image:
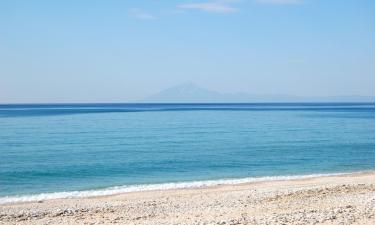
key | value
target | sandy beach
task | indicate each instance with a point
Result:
(340, 199)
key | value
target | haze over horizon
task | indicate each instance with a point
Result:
(126, 51)
(191, 93)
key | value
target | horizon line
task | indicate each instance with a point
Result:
(191, 103)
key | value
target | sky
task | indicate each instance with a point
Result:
(125, 50)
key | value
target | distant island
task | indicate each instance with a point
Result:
(192, 93)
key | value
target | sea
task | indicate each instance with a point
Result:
(52, 151)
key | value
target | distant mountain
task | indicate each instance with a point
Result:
(191, 93)
(187, 92)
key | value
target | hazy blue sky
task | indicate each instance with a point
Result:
(117, 51)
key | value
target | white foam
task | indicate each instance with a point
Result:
(151, 187)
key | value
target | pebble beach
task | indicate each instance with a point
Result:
(338, 199)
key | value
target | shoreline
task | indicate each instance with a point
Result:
(118, 190)
(335, 199)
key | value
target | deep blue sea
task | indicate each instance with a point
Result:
(54, 148)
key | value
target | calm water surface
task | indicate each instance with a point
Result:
(54, 148)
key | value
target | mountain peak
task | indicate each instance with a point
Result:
(186, 88)
(185, 92)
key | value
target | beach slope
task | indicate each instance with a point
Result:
(339, 199)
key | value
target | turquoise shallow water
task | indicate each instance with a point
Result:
(73, 147)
